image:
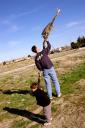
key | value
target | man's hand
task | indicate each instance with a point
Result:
(44, 43)
(39, 74)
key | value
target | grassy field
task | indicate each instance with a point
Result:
(18, 107)
(15, 102)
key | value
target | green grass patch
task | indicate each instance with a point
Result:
(20, 124)
(37, 126)
(53, 108)
(67, 80)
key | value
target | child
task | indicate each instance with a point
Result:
(42, 100)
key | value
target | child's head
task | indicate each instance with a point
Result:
(34, 86)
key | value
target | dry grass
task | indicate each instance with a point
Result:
(68, 111)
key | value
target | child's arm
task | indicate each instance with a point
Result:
(39, 76)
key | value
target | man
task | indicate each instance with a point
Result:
(44, 64)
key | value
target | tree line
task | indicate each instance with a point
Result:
(79, 43)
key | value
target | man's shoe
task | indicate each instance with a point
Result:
(51, 98)
(59, 95)
(47, 123)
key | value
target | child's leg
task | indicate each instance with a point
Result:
(47, 112)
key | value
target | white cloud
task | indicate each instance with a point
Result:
(36, 28)
(13, 43)
(72, 24)
(24, 13)
(9, 26)
(14, 28)
(5, 22)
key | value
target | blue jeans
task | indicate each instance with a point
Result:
(50, 73)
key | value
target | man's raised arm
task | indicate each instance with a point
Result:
(46, 48)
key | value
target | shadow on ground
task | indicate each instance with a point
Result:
(27, 114)
(53, 94)
(9, 92)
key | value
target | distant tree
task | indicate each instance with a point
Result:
(13, 60)
(81, 41)
(52, 51)
(4, 63)
(29, 55)
(74, 45)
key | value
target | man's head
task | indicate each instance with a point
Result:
(35, 49)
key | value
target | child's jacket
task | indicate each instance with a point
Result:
(42, 98)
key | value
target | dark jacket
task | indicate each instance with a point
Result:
(42, 59)
(41, 97)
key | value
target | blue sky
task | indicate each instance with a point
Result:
(22, 22)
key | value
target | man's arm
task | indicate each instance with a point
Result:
(38, 65)
(46, 49)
